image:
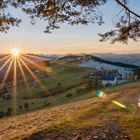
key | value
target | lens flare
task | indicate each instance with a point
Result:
(100, 93)
(118, 104)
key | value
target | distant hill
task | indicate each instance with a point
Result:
(123, 58)
(120, 64)
(70, 57)
(47, 57)
(99, 59)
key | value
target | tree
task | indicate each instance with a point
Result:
(59, 85)
(26, 106)
(73, 12)
(9, 112)
(46, 63)
(137, 72)
(20, 107)
(1, 114)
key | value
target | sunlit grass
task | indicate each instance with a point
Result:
(11, 63)
(74, 116)
(33, 63)
(7, 72)
(33, 75)
(24, 77)
(15, 86)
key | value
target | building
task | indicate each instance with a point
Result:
(108, 80)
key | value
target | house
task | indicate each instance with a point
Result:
(108, 80)
(99, 74)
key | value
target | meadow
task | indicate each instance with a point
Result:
(65, 83)
(62, 80)
(82, 118)
(69, 105)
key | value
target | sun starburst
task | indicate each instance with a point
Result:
(15, 63)
(15, 52)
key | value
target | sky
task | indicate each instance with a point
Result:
(67, 39)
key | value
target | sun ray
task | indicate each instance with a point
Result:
(24, 77)
(15, 85)
(43, 69)
(33, 75)
(5, 63)
(5, 57)
(7, 73)
(47, 69)
(32, 56)
(33, 63)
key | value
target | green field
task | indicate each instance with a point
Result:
(65, 84)
(63, 79)
(69, 104)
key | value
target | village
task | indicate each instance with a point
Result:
(111, 77)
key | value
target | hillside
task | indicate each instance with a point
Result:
(94, 118)
(57, 85)
(101, 59)
(123, 58)
(120, 64)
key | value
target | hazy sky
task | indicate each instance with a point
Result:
(67, 39)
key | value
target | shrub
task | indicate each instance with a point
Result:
(59, 84)
(46, 103)
(9, 112)
(26, 106)
(69, 95)
(20, 107)
(1, 114)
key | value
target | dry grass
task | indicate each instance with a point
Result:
(76, 115)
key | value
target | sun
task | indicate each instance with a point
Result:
(15, 52)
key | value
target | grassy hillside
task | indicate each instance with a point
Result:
(94, 117)
(61, 81)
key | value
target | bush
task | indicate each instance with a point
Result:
(59, 84)
(43, 94)
(26, 106)
(1, 114)
(69, 95)
(46, 103)
(9, 112)
(20, 107)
